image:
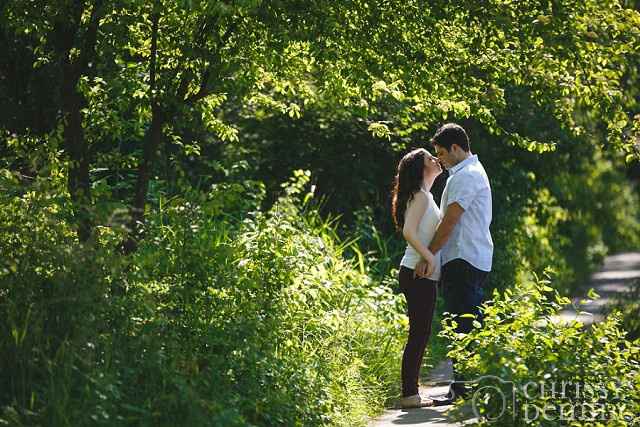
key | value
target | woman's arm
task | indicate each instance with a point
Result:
(415, 211)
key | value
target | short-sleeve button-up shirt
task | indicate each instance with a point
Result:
(468, 185)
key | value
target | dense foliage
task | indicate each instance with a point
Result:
(628, 304)
(127, 80)
(526, 369)
(564, 209)
(224, 320)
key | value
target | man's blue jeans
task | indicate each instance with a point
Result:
(461, 286)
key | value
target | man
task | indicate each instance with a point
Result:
(463, 235)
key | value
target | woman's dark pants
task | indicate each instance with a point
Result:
(421, 300)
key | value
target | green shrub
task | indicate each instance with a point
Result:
(228, 315)
(628, 305)
(520, 349)
(52, 301)
(307, 338)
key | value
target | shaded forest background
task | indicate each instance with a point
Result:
(194, 203)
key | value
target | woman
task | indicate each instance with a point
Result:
(416, 214)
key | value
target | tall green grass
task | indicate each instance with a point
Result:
(226, 315)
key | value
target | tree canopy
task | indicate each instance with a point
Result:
(132, 93)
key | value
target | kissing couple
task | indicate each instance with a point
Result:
(448, 247)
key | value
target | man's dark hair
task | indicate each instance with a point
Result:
(449, 134)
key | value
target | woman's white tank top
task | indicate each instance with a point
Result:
(426, 230)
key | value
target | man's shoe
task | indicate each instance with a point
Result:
(445, 400)
(415, 401)
(456, 391)
(459, 390)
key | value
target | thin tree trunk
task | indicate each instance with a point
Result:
(78, 183)
(160, 116)
(69, 36)
(153, 139)
(152, 143)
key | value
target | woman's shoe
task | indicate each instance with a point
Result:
(414, 401)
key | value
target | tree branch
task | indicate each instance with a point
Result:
(90, 38)
(204, 89)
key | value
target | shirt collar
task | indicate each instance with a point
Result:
(463, 164)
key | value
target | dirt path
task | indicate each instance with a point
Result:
(612, 281)
(436, 385)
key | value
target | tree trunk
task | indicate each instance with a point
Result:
(72, 102)
(152, 143)
(78, 183)
(153, 139)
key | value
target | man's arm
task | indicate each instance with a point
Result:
(415, 212)
(451, 218)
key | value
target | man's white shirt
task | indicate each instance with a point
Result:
(468, 185)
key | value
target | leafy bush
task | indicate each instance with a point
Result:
(52, 301)
(256, 319)
(628, 305)
(564, 209)
(522, 352)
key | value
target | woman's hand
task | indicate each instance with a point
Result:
(421, 268)
(425, 267)
(415, 212)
